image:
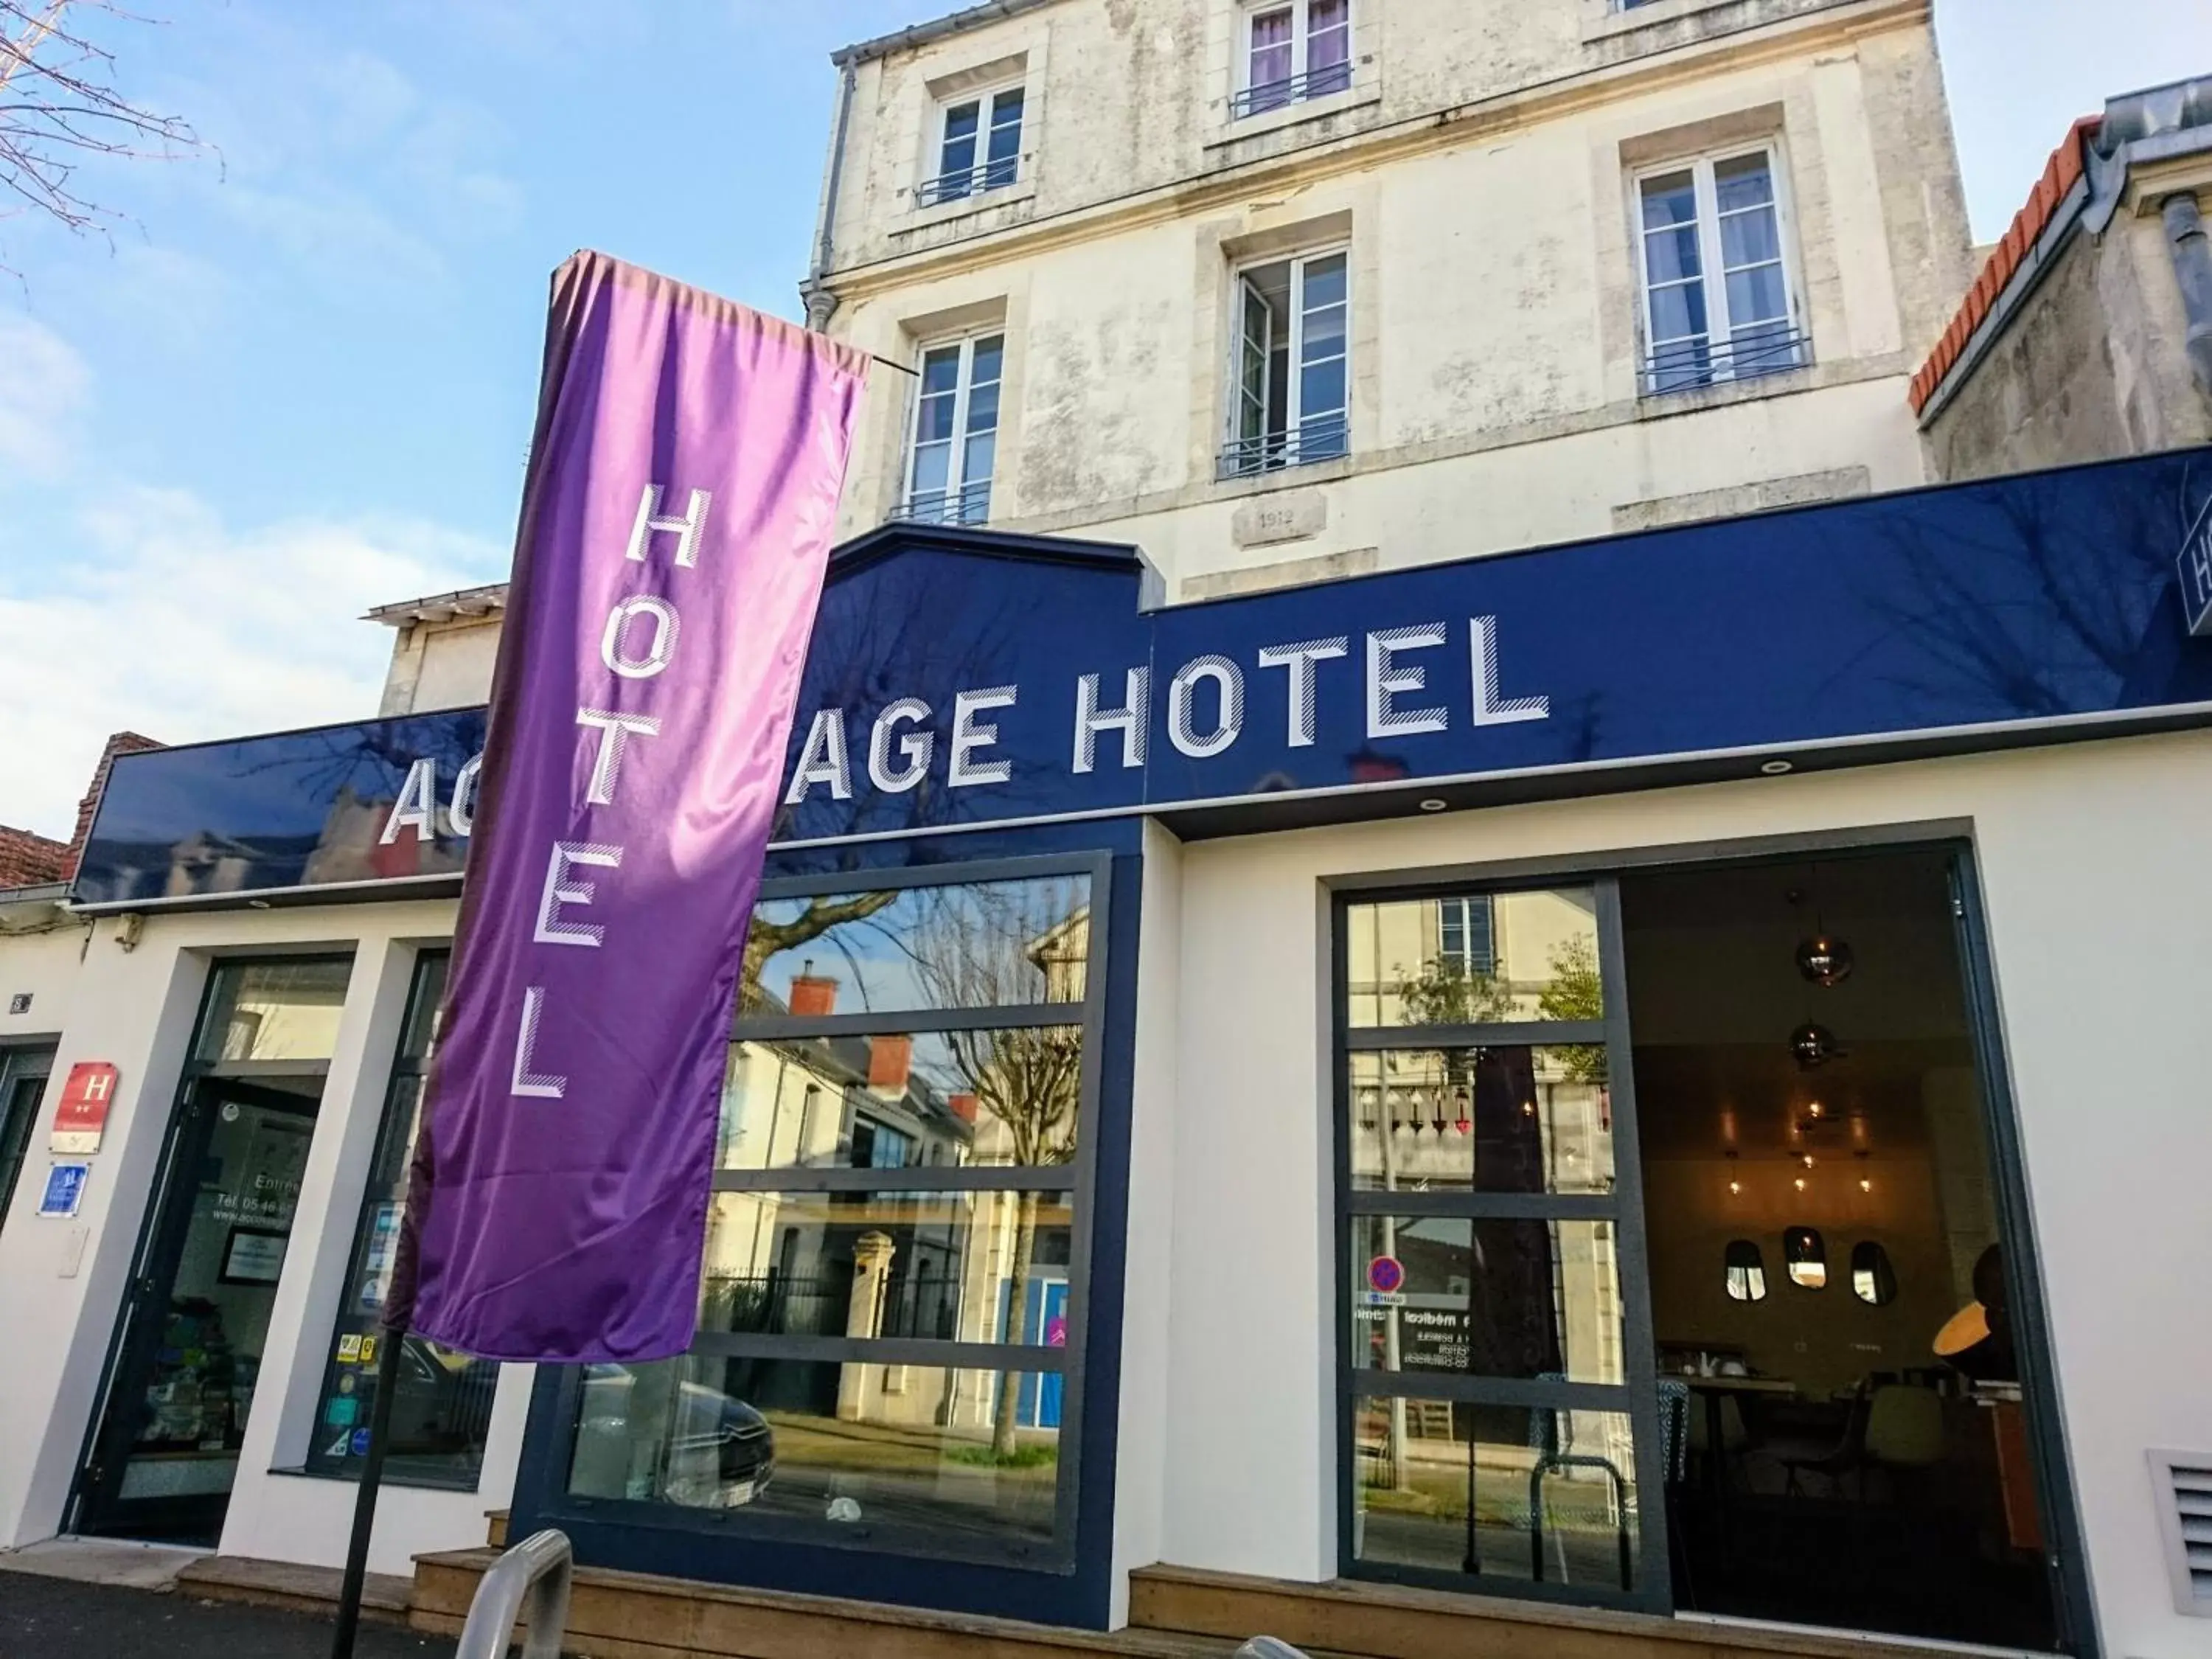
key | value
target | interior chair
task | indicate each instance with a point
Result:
(1904, 1429)
(1847, 1456)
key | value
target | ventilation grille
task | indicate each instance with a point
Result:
(2184, 1483)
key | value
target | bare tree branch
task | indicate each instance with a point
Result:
(60, 108)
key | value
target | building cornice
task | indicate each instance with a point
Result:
(1841, 26)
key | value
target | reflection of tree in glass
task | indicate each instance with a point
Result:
(767, 938)
(1576, 993)
(985, 948)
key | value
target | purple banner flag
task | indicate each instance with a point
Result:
(676, 521)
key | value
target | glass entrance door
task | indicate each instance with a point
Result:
(1498, 1428)
(197, 1319)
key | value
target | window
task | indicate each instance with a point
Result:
(23, 1073)
(1463, 932)
(1294, 51)
(1873, 1281)
(1717, 302)
(1491, 1427)
(891, 1323)
(980, 149)
(1293, 366)
(441, 1415)
(1746, 1272)
(955, 432)
(1805, 1253)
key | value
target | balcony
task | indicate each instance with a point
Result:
(1323, 438)
(974, 181)
(971, 504)
(1748, 355)
(1298, 89)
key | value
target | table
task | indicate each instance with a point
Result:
(1715, 1390)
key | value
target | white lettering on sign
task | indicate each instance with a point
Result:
(969, 734)
(917, 747)
(1300, 661)
(1131, 720)
(1401, 699)
(635, 653)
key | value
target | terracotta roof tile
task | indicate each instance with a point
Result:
(2005, 260)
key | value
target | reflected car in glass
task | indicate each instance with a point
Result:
(720, 1453)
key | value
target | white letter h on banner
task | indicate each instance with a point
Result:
(686, 530)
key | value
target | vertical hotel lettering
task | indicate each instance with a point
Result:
(638, 644)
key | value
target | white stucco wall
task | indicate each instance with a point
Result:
(2091, 861)
(59, 1293)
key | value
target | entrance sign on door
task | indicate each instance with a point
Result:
(81, 1119)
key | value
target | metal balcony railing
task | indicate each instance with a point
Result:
(1296, 89)
(1324, 438)
(970, 505)
(958, 187)
(1750, 353)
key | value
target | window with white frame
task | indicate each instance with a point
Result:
(954, 445)
(1466, 935)
(1293, 366)
(1293, 50)
(1718, 301)
(979, 147)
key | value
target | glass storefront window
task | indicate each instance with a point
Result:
(891, 1307)
(1491, 1296)
(985, 945)
(1492, 1119)
(279, 1010)
(1473, 959)
(443, 1409)
(1500, 1491)
(903, 1100)
(935, 1267)
(863, 1446)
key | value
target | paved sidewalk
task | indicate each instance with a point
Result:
(44, 1618)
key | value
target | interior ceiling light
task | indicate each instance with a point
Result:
(1815, 1046)
(1825, 960)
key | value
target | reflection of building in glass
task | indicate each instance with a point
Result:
(1470, 960)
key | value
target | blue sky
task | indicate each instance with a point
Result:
(299, 380)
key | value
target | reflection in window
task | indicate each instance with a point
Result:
(1486, 1297)
(822, 1386)
(1496, 1120)
(1746, 1272)
(932, 1100)
(443, 1412)
(282, 1010)
(1873, 1281)
(859, 1443)
(1805, 1254)
(1480, 960)
(903, 1266)
(1001, 943)
(1415, 1461)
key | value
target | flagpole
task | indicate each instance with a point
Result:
(364, 1497)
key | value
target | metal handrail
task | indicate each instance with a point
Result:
(977, 180)
(1321, 82)
(538, 1569)
(1759, 350)
(1322, 438)
(970, 505)
(1267, 1647)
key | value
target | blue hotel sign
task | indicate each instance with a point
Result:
(2193, 569)
(960, 680)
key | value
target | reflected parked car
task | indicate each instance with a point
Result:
(703, 1450)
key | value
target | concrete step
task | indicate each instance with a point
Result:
(287, 1585)
(1391, 1621)
(627, 1615)
(495, 1529)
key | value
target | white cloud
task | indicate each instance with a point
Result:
(180, 626)
(43, 395)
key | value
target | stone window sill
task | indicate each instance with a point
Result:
(967, 207)
(1357, 95)
(1657, 405)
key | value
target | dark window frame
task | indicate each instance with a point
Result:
(1637, 1396)
(410, 1068)
(1077, 1179)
